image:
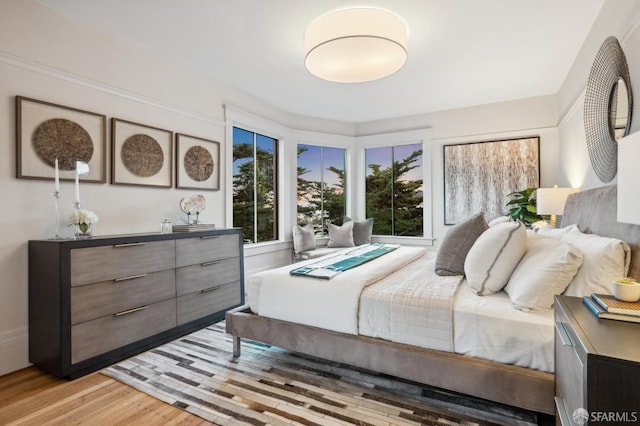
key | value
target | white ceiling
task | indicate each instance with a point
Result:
(461, 52)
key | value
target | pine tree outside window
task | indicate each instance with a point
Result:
(255, 197)
(394, 190)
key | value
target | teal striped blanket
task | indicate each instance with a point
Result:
(328, 267)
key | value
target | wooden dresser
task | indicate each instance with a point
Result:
(93, 302)
(597, 364)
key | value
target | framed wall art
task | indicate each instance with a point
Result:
(46, 131)
(197, 163)
(140, 154)
(478, 176)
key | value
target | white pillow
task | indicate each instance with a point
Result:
(341, 236)
(304, 238)
(494, 256)
(605, 259)
(545, 270)
(499, 219)
(549, 231)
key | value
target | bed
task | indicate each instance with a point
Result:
(473, 365)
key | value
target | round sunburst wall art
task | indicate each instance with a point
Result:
(62, 139)
(608, 83)
(142, 155)
(198, 163)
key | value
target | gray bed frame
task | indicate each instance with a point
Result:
(593, 210)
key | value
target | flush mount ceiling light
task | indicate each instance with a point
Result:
(355, 45)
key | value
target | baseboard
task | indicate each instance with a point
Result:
(14, 350)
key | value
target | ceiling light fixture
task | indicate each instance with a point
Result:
(355, 45)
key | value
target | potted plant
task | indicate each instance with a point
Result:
(522, 206)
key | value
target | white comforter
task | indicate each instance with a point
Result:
(330, 304)
(412, 306)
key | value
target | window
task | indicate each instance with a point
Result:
(394, 191)
(255, 197)
(321, 184)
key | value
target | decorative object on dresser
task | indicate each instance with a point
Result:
(46, 131)
(601, 312)
(551, 201)
(478, 176)
(626, 289)
(84, 222)
(597, 365)
(192, 207)
(141, 154)
(197, 163)
(96, 301)
(608, 106)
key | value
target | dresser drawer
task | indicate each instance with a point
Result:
(192, 251)
(569, 371)
(202, 303)
(96, 264)
(104, 334)
(206, 275)
(108, 297)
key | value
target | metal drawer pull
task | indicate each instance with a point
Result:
(132, 277)
(129, 245)
(130, 311)
(207, 290)
(208, 237)
(213, 262)
(564, 336)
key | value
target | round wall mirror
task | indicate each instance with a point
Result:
(608, 104)
(619, 116)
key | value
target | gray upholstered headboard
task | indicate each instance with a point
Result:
(595, 212)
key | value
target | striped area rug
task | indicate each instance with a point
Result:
(271, 386)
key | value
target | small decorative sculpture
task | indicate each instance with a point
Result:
(193, 206)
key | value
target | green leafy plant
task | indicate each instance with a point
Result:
(522, 206)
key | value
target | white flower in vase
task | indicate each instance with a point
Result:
(83, 219)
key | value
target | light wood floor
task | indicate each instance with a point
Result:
(33, 397)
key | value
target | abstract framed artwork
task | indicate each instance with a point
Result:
(140, 154)
(197, 163)
(478, 176)
(46, 131)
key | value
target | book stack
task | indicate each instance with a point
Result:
(608, 307)
(193, 227)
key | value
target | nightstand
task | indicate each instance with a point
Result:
(597, 366)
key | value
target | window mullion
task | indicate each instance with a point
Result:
(255, 188)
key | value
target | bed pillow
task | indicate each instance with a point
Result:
(549, 231)
(499, 219)
(605, 259)
(456, 244)
(545, 270)
(304, 238)
(361, 230)
(494, 256)
(341, 236)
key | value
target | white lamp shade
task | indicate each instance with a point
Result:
(552, 200)
(629, 179)
(355, 45)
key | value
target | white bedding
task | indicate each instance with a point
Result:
(485, 327)
(330, 304)
(489, 327)
(412, 305)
